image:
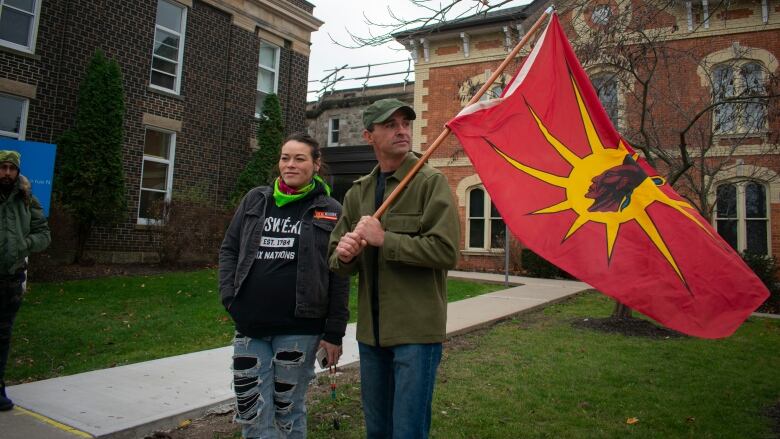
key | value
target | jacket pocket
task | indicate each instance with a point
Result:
(406, 223)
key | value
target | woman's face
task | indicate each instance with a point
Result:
(296, 165)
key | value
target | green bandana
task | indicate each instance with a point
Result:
(282, 199)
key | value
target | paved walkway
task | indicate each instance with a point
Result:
(135, 400)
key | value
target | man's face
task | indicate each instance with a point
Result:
(392, 138)
(8, 173)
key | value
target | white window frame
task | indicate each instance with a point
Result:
(740, 128)
(741, 214)
(180, 61)
(33, 29)
(487, 220)
(22, 123)
(169, 178)
(331, 131)
(275, 71)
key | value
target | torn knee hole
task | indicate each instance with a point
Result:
(285, 427)
(244, 363)
(244, 384)
(248, 406)
(283, 406)
(280, 387)
(289, 356)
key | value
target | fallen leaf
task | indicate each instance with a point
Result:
(690, 419)
(185, 423)
(632, 421)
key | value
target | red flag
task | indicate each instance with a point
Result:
(572, 190)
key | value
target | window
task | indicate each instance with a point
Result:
(485, 227)
(19, 23)
(333, 131)
(267, 74)
(601, 14)
(492, 93)
(741, 216)
(168, 46)
(607, 89)
(156, 174)
(13, 117)
(744, 82)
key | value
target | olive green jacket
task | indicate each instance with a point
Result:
(422, 232)
(23, 227)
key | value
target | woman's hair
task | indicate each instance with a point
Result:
(316, 152)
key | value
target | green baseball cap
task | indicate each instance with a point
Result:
(382, 109)
(10, 156)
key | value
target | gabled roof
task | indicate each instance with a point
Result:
(518, 13)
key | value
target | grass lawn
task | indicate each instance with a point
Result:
(539, 377)
(77, 326)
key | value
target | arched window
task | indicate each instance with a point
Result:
(741, 216)
(485, 229)
(607, 88)
(742, 82)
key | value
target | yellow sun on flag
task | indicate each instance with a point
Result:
(606, 187)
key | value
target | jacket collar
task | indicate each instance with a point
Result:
(399, 174)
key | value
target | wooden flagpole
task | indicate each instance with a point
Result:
(439, 140)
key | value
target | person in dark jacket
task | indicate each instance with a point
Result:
(275, 283)
(23, 230)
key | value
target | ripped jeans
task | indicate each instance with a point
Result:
(270, 378)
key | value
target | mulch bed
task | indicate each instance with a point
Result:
(631, 327)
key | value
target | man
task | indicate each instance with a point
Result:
(23, 229)
(402, 261)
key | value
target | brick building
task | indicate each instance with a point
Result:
(195, 75)
(731, 50)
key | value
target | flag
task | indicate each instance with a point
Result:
(573, 191)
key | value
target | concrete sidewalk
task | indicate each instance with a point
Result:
(135, 400)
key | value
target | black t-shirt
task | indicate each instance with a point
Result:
(266, 303)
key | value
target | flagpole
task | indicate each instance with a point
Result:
(485, 87)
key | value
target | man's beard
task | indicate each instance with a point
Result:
(7, 183)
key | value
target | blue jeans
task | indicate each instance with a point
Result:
(270, 378)
(396, 386)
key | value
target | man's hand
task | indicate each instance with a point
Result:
(370, 229)
(333, 351)
(350, 245)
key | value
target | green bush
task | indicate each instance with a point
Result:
(90, 180)
(536, 266)
(765, 268)
(261, 169)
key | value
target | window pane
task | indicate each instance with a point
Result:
(15, 26)
(477, 203)
(727, 201)
(150, 204)
(268, 56)
(755, 200)
(493, 211)
(727, 229)
(334, 124)
(25, 5)
(157, 143)
(163, 80)
(606, 87)
(10, 113)
(166, 45)
(265, 81)
(753, 76)
(756, 237)
(723, 87)
(169, 15)
(155, 175)
(164, 66)
(477, 233)
(259, 99)
(497, 233)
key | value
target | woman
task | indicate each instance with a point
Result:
(275, 283)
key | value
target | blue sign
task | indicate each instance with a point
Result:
(37, 164)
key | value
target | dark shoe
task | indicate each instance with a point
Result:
(5, 403)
